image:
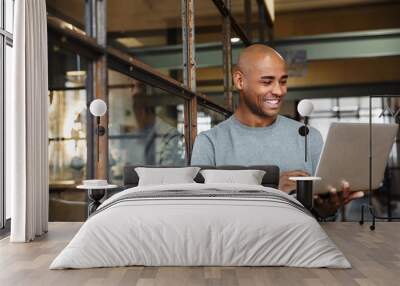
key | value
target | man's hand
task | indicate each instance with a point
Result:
(286, 185)
(345, 195)
(327, 205)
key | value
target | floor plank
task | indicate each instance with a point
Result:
(375, 257)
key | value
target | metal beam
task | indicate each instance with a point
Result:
(100, 76)
(159, 32)
(247, 18)
(72, 40)
(135, 69)
(261, 21)
(227, 57)
(377, 43)
(266, 23)
(132, 68)
(225, 12)
(125, 64)
(52, 11)
(90, 143)
(348, 90)
(188, 36)
(189, 74)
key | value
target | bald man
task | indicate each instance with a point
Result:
(256, 134)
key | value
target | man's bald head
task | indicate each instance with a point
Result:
(260, 76)
(252, 55)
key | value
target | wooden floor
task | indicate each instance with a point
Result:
(375, 256)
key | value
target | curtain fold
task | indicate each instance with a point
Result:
(26, 123)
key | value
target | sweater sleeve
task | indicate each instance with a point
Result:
(203, 151)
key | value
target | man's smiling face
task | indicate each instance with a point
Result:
(263, 84)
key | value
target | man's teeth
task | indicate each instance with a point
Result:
(273, 101)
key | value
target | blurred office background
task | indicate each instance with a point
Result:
(137, 55)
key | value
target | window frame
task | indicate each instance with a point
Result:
(6, 39)
(91, 41)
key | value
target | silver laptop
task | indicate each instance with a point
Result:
(345, 156)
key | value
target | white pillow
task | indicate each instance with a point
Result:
(248, 177)
(165, 176)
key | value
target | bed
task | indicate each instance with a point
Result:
(197, 224)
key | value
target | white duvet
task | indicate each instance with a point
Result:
(190, 231)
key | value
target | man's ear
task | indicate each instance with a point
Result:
(238, 79)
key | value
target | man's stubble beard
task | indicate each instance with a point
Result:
(255, 109)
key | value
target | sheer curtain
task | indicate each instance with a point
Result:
(26, 123)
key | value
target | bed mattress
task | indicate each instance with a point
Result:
(201, 225)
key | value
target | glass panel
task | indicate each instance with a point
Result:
(9, 63)
(9, 14)
(135, 26)
(209, 72)
(67, 134)
(72, 11)
(345, 110)
(323, 104)
(137, 23)
(348, 109)
(145, 126)
(258, 22)
(208, 22)
(238, 12)
(210, 80)
(322, 124)
(349, 102)
(207, 118)
(376, 103)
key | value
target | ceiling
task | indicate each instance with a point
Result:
(150, 14)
